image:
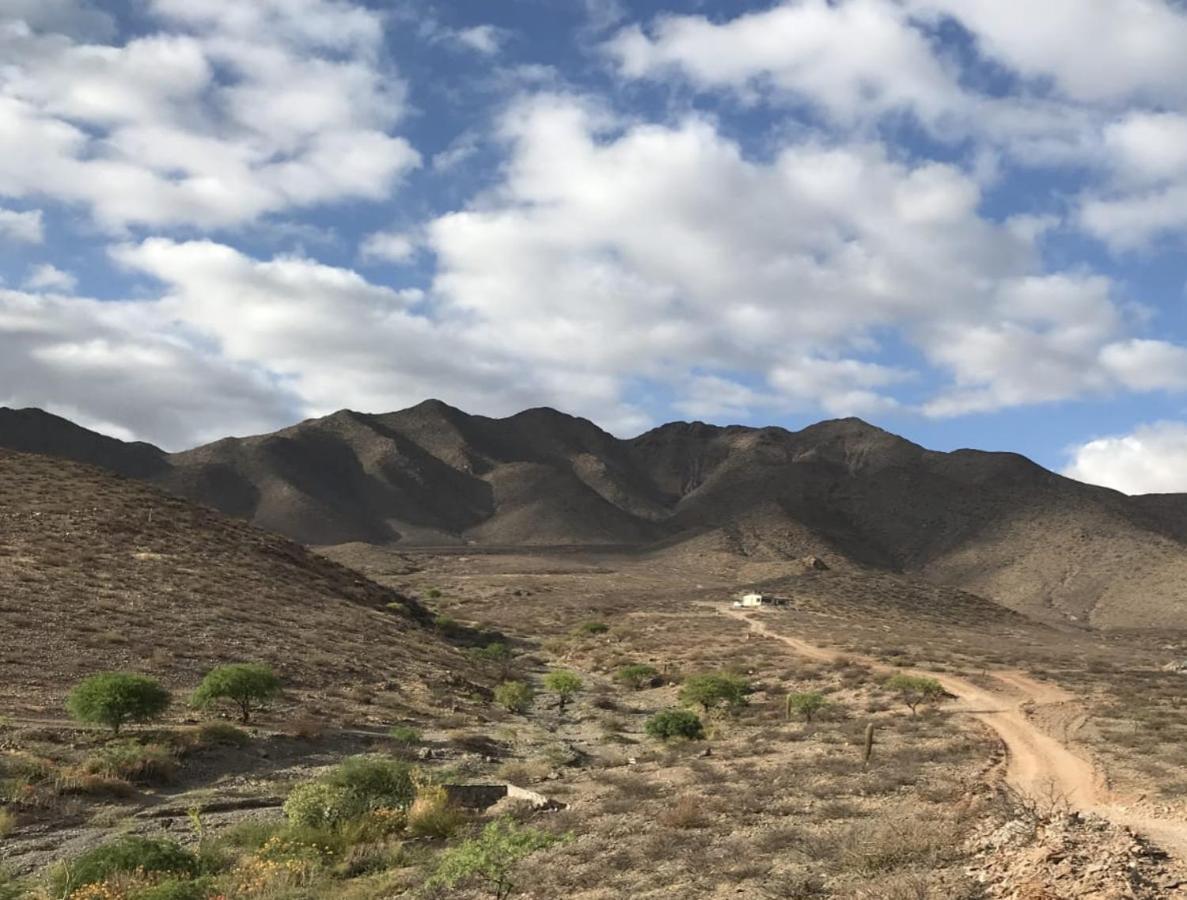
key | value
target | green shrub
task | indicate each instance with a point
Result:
(675, 723)
(404, 734)
(915, 690)
(246, 685)
(637, 676)
(515, 696)
(593, 627)
(564, 684)
(215, 734)
(316, 804)
(127, 854)
(805, 705)
(11, 887)
(497, 654)
(434, 594)
(116, 698)
(175, 889)
(432, 815)
(490, 858)
(377, 780)
(132, 761)
(712, 691)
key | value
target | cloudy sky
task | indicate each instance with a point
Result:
(964, 220)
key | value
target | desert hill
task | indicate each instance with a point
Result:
(993, 523)
(99, 572)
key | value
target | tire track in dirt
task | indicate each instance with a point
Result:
(1038, 765)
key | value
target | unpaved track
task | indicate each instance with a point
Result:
(1038, 765)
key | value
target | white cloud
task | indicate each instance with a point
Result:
(392, 246)
(232, 111)
(45, 277)
(1150, 460)
(485, 39)
(23, 226)
(852, 59)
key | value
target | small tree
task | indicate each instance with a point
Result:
(915, 690)
(248, 685)
(637, 676)
(675, 723)
(514, 696)
(805, 705)
(116, 698)
(490, 857)
(565, 685)
(712, 691)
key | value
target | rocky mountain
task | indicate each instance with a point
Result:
(992, 523)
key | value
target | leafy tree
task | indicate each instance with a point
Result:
(637, 675)
(565, 685)
(248, 685)
(675, 723)
(515, 696)
(712, 691)
(491, 857)
(915, 690)
(806, 705)
(116, 698)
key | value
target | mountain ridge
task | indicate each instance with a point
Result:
(842, 488)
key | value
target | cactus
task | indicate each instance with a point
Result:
(868, 749)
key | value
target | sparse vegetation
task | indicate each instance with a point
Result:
(249, 686)
(115, 699)
(131, 760)
(915, 690)
(717, 691)
(514, 696)
(593, 627)
(806, 704)
(675, 723)
(637, 676)
(566, 685)
(490, 858)
(405, 735)
(124, 856)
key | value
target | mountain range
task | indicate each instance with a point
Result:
(853, 494)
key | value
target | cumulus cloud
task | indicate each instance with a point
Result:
(392, 246)
(23, 226)
(1150, 460)
(46, 277)
(228, 112)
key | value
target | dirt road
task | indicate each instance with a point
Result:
(1039, 765)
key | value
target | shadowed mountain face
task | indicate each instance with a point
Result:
(992, 523)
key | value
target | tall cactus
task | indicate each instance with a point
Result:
(868, 749)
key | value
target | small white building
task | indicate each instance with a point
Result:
(751, 600)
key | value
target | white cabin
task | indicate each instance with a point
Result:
(752, 600)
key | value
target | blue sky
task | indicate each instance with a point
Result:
(962, 220)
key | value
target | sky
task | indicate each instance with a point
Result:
(962, 220)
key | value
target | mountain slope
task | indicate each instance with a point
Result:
(98, 572)
(994, 523)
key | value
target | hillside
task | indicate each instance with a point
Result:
(98, 572)
(993, 523)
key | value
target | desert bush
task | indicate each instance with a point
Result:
(806, 705)
(11, 888)
(316, 804)
(684, 813)
(515, 696)
(675, 723)
(246, 685)
(490, 858)
(637, 676)
(378, 781)
(132, 761)
(499, 655)
(7, 822)
(404, 734)
(116, 698)
(713, 691)
(124, 855)
(564, 684)
(215, 734)
(432, 815)
(915, 690)
(434, 594)
(592, 627)
(177, 889)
